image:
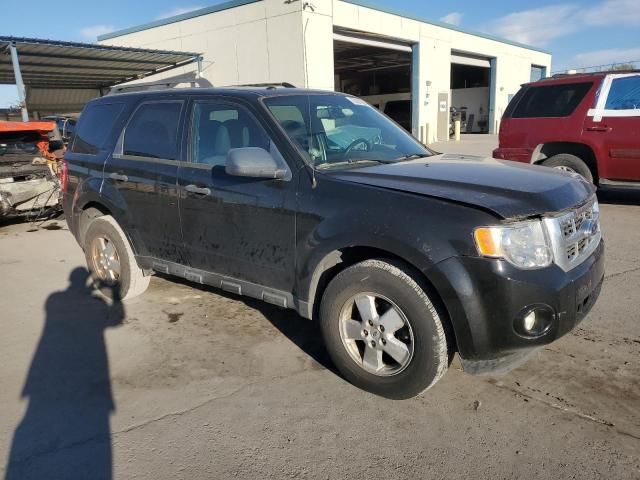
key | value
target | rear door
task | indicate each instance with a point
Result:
(92, 145)
(545, 113)
(614, 125)
(143, 172)
(238, 227)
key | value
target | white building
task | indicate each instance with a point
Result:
(351, 46)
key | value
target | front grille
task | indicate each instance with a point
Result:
(574, 234)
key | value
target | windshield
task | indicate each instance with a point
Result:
(335, 131)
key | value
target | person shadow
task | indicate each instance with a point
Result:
(65, 432)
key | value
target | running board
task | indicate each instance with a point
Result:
(604, 183)
(228, 284)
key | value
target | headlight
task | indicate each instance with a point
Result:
(524, 245)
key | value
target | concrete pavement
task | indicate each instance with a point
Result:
(190, 382)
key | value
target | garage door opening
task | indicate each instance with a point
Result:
(378, 71)
(471, 92)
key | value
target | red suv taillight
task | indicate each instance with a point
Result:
(64, 176)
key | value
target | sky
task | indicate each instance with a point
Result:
(579, 33)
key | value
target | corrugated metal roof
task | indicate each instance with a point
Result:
(53, 64)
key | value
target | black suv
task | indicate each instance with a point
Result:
(316, 201)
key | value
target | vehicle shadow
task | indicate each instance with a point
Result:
(619, 197)
(65, 432)
(303, 333)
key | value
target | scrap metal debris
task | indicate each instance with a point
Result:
(30, 166)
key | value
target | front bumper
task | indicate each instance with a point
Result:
(484, 296)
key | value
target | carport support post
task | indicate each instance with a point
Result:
(19, 83)
(199, 63)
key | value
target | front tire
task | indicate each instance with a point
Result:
(114, 270)
(382, 330)
(569, 163)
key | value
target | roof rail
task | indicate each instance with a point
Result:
(573, 73)
(269, 85)
(188, 80)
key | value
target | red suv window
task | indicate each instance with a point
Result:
(558, 100)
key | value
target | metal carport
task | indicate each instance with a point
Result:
(79, 70)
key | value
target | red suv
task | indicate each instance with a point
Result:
(586, 123)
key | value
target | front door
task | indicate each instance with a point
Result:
(239, 227)
(143, 170)
(614, 125)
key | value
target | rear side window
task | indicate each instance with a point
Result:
(624, 94)
(153, 131)
(551, 100)
(94, 127)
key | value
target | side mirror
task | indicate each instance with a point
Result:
(253, 162)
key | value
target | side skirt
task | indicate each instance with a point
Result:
(228, 284)
(615, 184)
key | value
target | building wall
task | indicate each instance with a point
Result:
(276, 41)
(253, 43)
(434, 44)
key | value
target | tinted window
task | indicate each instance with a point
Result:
(217, 128)
(624, 94)
(153, 131)
(551, 100)
(94, 127)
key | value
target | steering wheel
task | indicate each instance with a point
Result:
(355, 143)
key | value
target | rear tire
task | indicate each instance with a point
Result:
(569, 163)
(382, 331)
(110, 259)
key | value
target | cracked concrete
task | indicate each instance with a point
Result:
(207, 385)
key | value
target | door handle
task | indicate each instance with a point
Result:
(599, 128)
(119, 177)
(198, 190)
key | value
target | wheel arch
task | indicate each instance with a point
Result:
(89, 211)
(339, 259)
(95, 198)
(583, 151)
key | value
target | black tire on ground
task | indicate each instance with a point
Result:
(393, 281)
(571, 162)
(131, 281)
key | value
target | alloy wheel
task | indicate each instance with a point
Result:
(376, 334)
(106, 261)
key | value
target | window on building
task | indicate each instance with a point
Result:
(94, 127)
(551, 100)
(153, 131)
(538, 73)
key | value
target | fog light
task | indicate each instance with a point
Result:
(530, 321)
(534, 321)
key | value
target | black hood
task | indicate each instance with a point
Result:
(509, 189)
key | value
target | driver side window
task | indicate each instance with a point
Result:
(217, 128)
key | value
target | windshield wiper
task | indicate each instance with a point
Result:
(412, 156)
(327, 165)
